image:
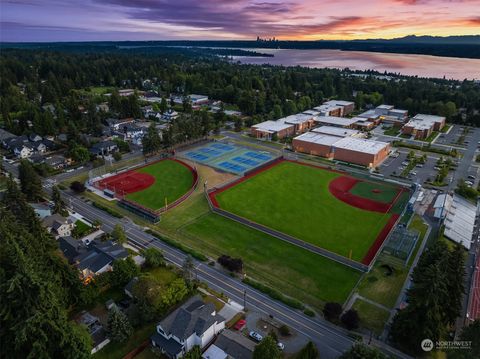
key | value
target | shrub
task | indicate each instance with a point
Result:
(232, 264)
(78, 187)
(332, 311)
(351, 319)
(309, 312)
(284, 330)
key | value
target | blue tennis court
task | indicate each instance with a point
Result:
(228, 157)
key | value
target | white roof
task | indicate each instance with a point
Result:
(428, 118)
(324, 110)
(311, 112)
(397, 110)
(335, 131)
(317, 138)
(296, 119)
(460, 221)
(369, 114)
(271, 126)
(214, 352)
(338, 103)
(360, 145)
(385, 107)
(335, 121)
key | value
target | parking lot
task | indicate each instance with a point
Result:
(419, 174)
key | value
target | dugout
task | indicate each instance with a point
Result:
(109, 193)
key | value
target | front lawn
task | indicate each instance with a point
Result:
(371, 316)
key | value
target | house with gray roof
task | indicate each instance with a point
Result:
(194, 323)
(98, 257)
(59, 225)
(231, 345)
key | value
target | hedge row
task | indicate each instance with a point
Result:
(274, 294)
(107, 209)
(179, 246)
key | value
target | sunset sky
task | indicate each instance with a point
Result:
(85, 20)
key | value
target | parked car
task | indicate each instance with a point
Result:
(472, 177)
(281, 346)
(255, 336)
(470, 183)
(405, 163)
(240, 324)
(419, 165)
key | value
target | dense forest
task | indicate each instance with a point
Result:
(453, 46)
(32, 79)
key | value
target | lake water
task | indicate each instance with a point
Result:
(405, 64)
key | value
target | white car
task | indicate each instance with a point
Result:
(470, 183)
(281, 346)
(255, 336)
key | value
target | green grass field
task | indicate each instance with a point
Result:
(295, 200)
(172, 180)
(386, 193)
(293, 270)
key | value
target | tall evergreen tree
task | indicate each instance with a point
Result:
(119, 328)
(58, 202)
(30, 181)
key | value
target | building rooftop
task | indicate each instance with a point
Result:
(311, 112)
(360, 145)
(271, 126)
(339, 103)
(428, 118)
(370, 114)
(335, 121)
(385, 107)
(460, 221)
(318, 138)
(336, 131)
(296, 119)
(195, 316)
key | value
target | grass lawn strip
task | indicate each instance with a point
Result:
(172, 180)
(295, 200)
(371, 316)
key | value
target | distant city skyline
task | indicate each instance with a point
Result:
(97, 20)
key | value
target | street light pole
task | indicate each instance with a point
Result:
(245, 299)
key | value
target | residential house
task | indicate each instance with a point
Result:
(116, 124)
(5, 135)
(59, 225)
(96, 330)
(97, 257)
(194, 323)
(41, 210)
(104, 148)
(170, 115)
(37, 159)
(231, 345)
(33, 137)
(56, 162)
(23, 150)
(38, 146)
(129, 287)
